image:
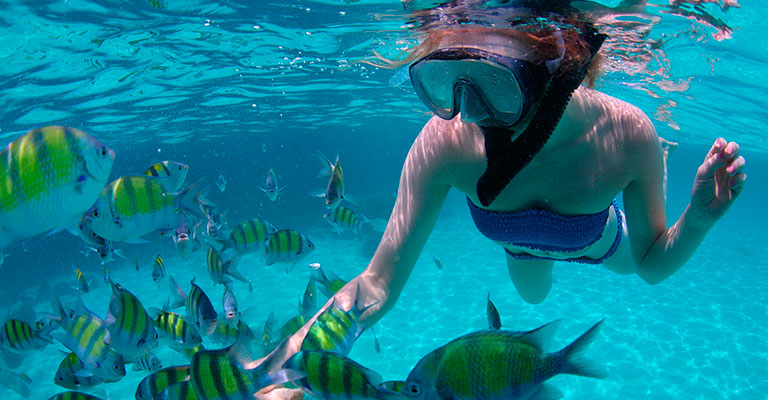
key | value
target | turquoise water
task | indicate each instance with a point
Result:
(235, 88)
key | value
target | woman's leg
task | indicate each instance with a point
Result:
(532, 278)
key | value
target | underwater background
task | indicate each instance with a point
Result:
(235, 88)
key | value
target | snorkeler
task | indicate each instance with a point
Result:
(541, 158)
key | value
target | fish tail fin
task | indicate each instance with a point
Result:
(573, 360)
(231, 270)
(192, 198)
(177, 293)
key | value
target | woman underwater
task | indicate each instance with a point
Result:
(541, 158)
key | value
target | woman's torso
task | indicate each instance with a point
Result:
(587, 162)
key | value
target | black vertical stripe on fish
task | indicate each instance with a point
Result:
(150, 190)
(218, 383)
(346, 379)
(323, 377)
(494, 320)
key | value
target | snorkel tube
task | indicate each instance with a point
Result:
(506, 158)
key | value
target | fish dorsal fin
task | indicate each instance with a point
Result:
(540, 337)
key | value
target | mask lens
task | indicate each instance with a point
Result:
(493, 87)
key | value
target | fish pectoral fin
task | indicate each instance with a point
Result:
(547, 392)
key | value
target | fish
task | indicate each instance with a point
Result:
(200, 308)
(231, 312)
(72, 395)
(335, 329)
(107, 275)
(19, 337)
(247, 237)
(497, 364)
(329, 282)
(228, 335)
(287, 246)
(135, 205)
(220, 375)
(309, 300)
(394, 387)
(155, 383)
(334, 191)
(331, 376)
(250, 286)
(178, 391)
(437, 262)
(183, 239)
(173, 328)
(146, 362)
(82, 284)
(172, 173)
(19, 383)
(268, 340)
(293, 325)
(72, 374)
(271, 188)
(189, 352)
(221, 183)
(158, 269)
(85, 334)
(131, 329)
(494, 319)
(376, 345)
(343, 219)
(94, 242)
(49, 177)
(220, 270)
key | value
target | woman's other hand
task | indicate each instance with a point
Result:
(719, 180)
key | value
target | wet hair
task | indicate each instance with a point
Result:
(543, 46)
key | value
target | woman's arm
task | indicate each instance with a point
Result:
(421, 193)
(659, 252)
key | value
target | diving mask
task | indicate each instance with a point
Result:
(479, 84)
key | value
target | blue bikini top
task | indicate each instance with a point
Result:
(539, 229)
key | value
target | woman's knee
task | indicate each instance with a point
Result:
(532, 279)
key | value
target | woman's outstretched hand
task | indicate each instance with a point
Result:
(719, 180)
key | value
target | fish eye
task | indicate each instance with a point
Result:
(95, 213)
(102, 151)
(116, 367)
(413, 389)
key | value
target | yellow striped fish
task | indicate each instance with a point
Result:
(329, 282)
(158, 269)
(220, 270)
(176, 330)
(84, 334)
(73, 396)
(200, 308)
(335, 329)
(344, 219)
(496, 364)
(156, 383)
(135, 205)
(249, 236)
(219, 374)
(330, 376)
(72, 374)
(19, 337)
(287, 246)
(172, 173)
(131, 329)
(178, 391)
(48, 178)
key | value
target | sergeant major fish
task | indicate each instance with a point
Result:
(135, 205)
(48, 178)
(496, 365)
(131, 329)
(157, 382)
(85, 334)
(198, 305)
(334, 191)
(220, 270)
(287, 246)
(271, 188)
(172, 173)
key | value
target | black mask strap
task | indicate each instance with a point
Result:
(507, 158)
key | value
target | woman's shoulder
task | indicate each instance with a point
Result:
(617, 116)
